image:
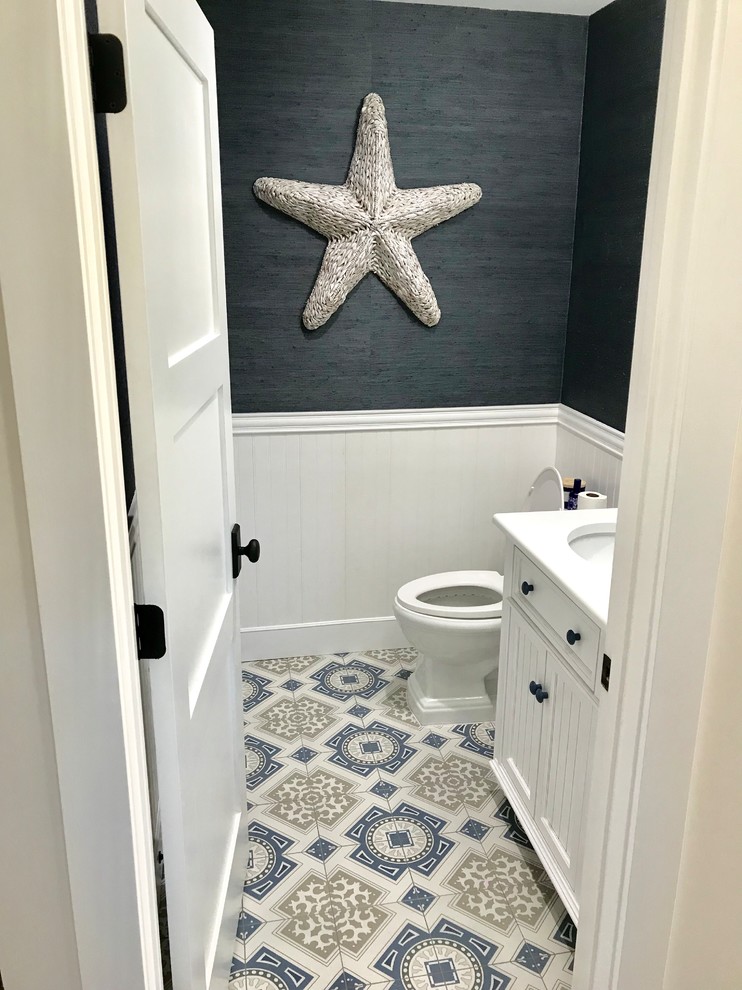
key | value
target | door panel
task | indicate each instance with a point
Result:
(517, 740)
(165, 177)
(566, 743)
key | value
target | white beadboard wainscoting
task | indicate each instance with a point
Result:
(348, 506)
(589, 450)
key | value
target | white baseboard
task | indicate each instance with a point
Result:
(341, 636)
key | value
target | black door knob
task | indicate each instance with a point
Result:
(573, 637)
(541, 695)
(534, 688)
(251, 551)
(526, 587)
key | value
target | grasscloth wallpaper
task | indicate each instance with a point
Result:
(623, 66)
(491, 97)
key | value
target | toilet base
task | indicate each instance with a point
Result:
(428, 710)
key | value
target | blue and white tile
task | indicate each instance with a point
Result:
(262, 763)
(446, 954)
(558, 975)
(364, 749)
(257, 690)
(272, 964)
(395, 841)
(368, 921)
(346, 677)
(390, 827)
(506, 832)
(476, 739)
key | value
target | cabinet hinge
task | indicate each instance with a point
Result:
(150, 626)
(107, 76)
(605, 673)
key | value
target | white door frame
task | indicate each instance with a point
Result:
(57, 321)
(677, 467)
(683, 419)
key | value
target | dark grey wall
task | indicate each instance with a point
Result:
(623, 62)
(471, 95)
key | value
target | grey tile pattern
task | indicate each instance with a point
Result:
(492, 97)
(379, 859)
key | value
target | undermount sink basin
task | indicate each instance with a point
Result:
(594, 542)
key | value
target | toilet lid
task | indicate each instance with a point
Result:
(455, 595)
(546, 492)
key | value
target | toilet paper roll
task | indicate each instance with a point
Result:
(592, 500)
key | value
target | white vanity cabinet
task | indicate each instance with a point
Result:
(546, 712)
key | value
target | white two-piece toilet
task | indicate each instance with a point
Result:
(453, 621)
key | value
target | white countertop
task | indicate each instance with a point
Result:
(543, 537)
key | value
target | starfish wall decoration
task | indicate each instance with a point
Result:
(369, 223)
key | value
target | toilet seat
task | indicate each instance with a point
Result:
(546, 492)
(455, 595)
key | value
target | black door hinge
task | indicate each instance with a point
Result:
(605, 673)
(107, 76)
(150, 625)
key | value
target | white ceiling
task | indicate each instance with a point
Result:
(582, 7)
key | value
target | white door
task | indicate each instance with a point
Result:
(519, 715)
(566, 744)
(166, 189)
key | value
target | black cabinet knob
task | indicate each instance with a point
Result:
(526, 587)
(573, 637)
(541, 695)
(534, 688)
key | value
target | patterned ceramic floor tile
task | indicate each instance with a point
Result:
(342, 678)
(405, 656)
(363, 749)
(393, 705)
(274, 964)
(382, 854)
(476, 740)
(452, 781)
(322, 798)
(256, 690)
(558, 975)
(294, 718)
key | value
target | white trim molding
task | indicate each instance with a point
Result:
(342, 636)
(587, 428)
(355, 421)
(370, 421)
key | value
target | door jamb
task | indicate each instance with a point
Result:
(684, 409)
(55, 294)
(644, 737)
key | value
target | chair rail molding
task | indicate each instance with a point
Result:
(599, 434)
(355, 421)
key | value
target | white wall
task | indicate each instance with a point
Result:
(349, 506)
